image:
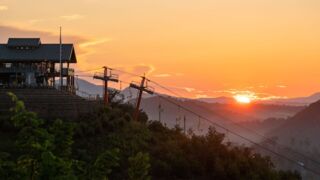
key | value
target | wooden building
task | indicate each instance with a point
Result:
(26, 62)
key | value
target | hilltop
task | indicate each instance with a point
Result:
(108, 144)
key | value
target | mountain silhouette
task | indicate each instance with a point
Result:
(299, 133)
(222, 99)
(299, 101)
(88, 87)
(302, 128)
(94, 89)
(227, 115)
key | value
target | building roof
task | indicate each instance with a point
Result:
(32, 50)
(31, 42)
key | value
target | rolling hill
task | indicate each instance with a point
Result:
(221, 110)
(231, 116)
(299, 137)
(301, 129)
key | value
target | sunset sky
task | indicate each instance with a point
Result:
(204, 48)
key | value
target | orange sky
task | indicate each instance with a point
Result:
(199, 48)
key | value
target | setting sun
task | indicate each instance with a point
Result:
(243, 99)
(160, 89)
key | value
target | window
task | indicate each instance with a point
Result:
(8, 65)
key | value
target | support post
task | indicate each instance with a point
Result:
(68, 78)
(106, 94)
(142, 88)
(53, 69)
(160, 109)
(136, 113)
(184, 124)
(105, 78)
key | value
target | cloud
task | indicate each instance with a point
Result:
(3, 8)
(282, 86)
(46, 36)
(201, 96)
(53, 37)
(178, 74)
(83, 45)
(272, 97)
(93, 43)
(188, 89)
(142, 69)
(251, 94)
(165, 75)
(72, 17)
(138, 69)
(162, 75)
(34, 21)
(91, 1)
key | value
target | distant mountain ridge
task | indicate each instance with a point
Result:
(305, 125)
(86, 88)
(222, 110)
(94, 89)
(299, 133)
(222, 100)
(299, 101)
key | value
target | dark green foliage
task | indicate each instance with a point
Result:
(139, 167)
(6, 166)
(108, 144)
(63, 140)
(111, 128)
(104, 163)
(35, 146)
(176, 156)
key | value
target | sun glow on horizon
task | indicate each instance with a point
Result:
(243, 99)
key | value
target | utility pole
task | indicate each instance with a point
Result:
(160, 109)
(105, 77)
(106, 94)
(184, 124)
(142, 88)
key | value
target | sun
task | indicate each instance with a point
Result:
(243, 99)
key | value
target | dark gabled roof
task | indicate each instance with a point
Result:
(43, 52)
(30, 42)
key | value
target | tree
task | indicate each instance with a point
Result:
(104, 164)
(36, 145)
(139, 167)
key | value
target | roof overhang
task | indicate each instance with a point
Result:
(45, 52)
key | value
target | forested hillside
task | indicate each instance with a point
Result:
(108, 144)
(301, 134)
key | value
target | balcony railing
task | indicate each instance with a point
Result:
(17, 69)
(65, 71)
